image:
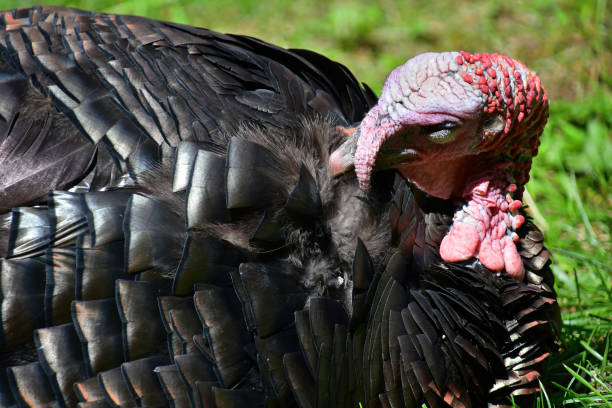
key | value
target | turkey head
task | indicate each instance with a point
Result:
(463, 127)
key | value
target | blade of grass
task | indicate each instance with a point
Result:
(544, 393)
(593, 352)
(587, 384)
(604, 361)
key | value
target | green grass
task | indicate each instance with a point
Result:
(566, 41)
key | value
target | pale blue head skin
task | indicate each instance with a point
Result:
(447, 119)
(428, 89)
(447, 106)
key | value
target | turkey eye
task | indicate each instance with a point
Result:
(441, 133)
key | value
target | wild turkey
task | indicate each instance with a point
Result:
(182, 226)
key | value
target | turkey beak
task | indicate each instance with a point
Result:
(342, 160)
(397, 150)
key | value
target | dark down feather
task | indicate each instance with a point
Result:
(172, 236)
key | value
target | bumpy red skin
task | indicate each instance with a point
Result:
(485, 227)
(433, 88)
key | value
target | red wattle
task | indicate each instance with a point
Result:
(461, 243)
(484, 229)
(512, 259)
(490, 254)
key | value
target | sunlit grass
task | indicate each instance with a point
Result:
(566, 41)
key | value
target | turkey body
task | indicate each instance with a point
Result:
(172, 235)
